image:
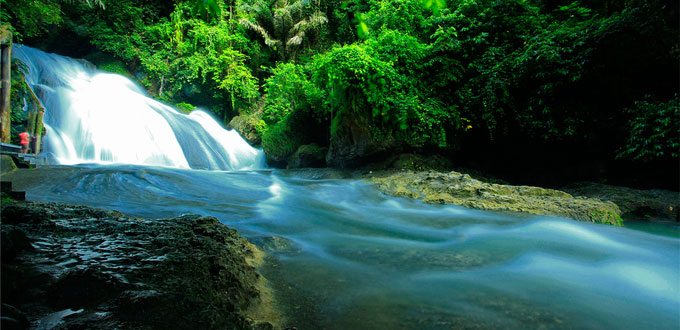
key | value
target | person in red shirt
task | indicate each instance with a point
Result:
(24, 136)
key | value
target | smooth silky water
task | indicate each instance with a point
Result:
(344, 256)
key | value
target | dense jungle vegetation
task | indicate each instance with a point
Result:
(519, 88)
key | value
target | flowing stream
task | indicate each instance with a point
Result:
(344, 256)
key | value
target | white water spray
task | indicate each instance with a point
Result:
(97, 117)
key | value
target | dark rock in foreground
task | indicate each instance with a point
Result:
(77, 267)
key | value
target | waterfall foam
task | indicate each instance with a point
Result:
(97, 117)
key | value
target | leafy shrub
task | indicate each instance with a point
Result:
(654, 130)
(289, 89)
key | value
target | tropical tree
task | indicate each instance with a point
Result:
(31, 18)
(283, 24)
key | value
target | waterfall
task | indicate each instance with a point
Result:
(97, 117)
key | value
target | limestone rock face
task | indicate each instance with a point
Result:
(461, 189)
(245, 125)
(75, 267)
(309, 155)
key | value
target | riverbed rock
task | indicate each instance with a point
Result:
(635, 204)
(79, 267)
(461, 189)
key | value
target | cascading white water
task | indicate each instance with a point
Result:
(97, 117)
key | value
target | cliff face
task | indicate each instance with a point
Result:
(80, 267)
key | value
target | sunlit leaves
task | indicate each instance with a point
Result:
(434, 5)
(362, 26)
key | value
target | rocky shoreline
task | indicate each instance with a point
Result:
(76, 267)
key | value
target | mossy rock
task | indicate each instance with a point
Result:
(246, 125)
(461, 189)
(284, 138)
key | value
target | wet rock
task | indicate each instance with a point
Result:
(13, 318)
(635, 204)
(84, 288)
(100, 269)
(309, 155)
(246, 126)
(14, 240)
(461, 189)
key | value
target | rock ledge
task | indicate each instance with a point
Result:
(76, 267)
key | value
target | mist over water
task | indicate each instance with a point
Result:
(97, 117)
(344, 256)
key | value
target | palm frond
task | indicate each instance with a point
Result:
(91, 3)
(313, 22)
(268, 40)
(296, 40)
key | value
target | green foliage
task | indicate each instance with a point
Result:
(380, 80)
(654, 130)
(434, 5)
(117, 67)
(289, 89)
(31, 18)
(283, 25)
(179, 52)
(207, 9)
(282, 139)
(19, 98)
(422, 72)
(185, 107)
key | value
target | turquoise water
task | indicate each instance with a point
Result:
(344, 256)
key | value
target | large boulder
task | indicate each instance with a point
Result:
(461, 189)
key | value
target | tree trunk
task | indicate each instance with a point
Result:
(160, 90)
(5, 76)
(38, 130)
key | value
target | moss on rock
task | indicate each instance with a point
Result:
(461, 189)
(246, 125)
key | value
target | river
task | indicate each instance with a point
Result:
(342, 255)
